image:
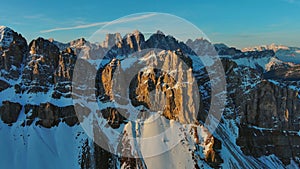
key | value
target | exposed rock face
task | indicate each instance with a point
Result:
(67, 60)
(202, 47)
(64, 73)
(284, 72)
(258, 142)
(118, 46)
(13, 48)
(153, 90)
(10, 112)
(46, 49)
(112, 40)
(222, 49)
(3, 85)
(270, 122)
(78, 43)
(271, 106)
(268, 114)
(134, 42)
(40, 65)
(284, 53)
(60, 45)
(150, 87)
(161, 41)
(50, 115)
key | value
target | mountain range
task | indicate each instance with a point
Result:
(42, 88)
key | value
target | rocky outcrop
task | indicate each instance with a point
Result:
(10, 112)
(45, 114)
(49, 115)
(3, 85)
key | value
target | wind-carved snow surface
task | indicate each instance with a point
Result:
(36, 147)
(177, 143)
(5, 36)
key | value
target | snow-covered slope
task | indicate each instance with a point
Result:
(36, 147)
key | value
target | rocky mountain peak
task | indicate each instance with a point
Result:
(78, 42)
(46, 49)
(202, 46)
(116, 45)
(159, 32)
(40, 65)
(220, 47)
(160, 41)
(135, 40)
(136, 32)
(60, 45)
(13, 48)
(112, 40)
(6, 36)
(9, 36)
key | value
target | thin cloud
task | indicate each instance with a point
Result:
(37, 16)
(290, 1)
(123, 20)
(293, 1)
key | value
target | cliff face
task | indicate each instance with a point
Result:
(261, 116)
(155, 89)
(40, 65)
(271, 106)
(267, 113)
(270, 122)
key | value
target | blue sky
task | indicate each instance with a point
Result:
(238, 23)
